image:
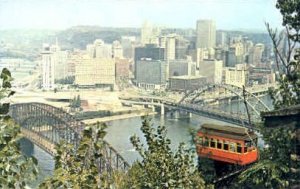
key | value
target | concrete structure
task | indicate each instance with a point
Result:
(122, 68)
(99, 49)
(184, 83)
(255, 56)
(181, 47)
(235, 55)
(95, 71)
(182, 67)
(61, 65)
(151, 74)
(261, 75)
(201, 54)
(169, 43)
(117, 50)
(237, 76)
(221, 39)
(206, 34)
(212, 70)
(149, 34)
(150, 51)
(128, 44)
(48, 64)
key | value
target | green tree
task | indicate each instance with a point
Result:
(77, 168)
(160, 167)
(75, 103)
(287, 59)
(16, 170)
(274, 168)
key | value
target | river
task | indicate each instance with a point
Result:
(119, 133)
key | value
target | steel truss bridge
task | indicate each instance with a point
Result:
(46, 126)
(222, 102)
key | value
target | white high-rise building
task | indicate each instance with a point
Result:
(94, 71)
(146, 33)
(206, 34)
(212, 69)
(48, 64)
(149, 34)
(99, 49)
(117, 50)
(237, 76)
(169, 43)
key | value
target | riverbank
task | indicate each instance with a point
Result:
(118, 117)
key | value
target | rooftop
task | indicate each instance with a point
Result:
(226, 131)
(187, 77)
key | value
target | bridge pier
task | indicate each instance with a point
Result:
(177, 114)
(162, 109)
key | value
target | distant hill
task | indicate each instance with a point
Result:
(80, 36)
(74, 37)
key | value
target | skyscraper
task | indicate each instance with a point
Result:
(169, 43)
(206, 34)
(47, 67)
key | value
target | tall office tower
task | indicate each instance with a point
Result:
(181, 47)
(237, 76)
(206, 34)
(169, 43)
(212, 70)
(99, 49)
(149, 34)
(146, 33)
(117, 50)
(150, 51)
(235, 54)
(221, 39)
(151, 74)
(95, 71)
(128, 43)
(102, 50)
(47, 68)
(257, 53)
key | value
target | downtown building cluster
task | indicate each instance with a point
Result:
(163, 58)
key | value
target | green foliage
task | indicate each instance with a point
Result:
(288, 61)
(16, 170)
(77, 168)
(67, 80)
(160, 166)
(207, 167)
(75, 102)
(265, 174)
(274, 170)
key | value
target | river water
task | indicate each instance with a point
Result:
(119, 133)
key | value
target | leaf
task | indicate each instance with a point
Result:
(4, 108)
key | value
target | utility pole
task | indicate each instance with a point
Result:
(246, 105)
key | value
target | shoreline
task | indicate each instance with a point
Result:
(117, 117)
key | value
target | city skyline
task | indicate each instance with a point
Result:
(58, 14)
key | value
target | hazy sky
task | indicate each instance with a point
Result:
(61, 14)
